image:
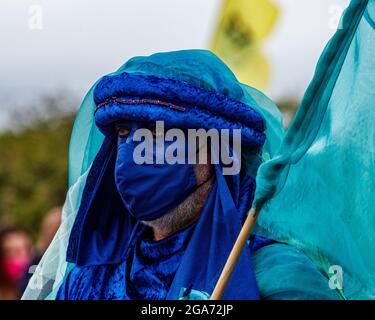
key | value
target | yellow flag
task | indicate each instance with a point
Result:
(243, 26)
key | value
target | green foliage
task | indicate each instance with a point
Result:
(33, 170)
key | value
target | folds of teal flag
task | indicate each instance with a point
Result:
(318, 192)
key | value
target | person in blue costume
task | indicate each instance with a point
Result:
(164, 231)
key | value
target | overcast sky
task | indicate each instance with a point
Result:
(80, 40)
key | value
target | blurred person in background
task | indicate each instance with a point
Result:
(15, 256)
(50, 224)
(49, 227)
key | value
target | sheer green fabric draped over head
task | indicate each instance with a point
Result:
(200, 68)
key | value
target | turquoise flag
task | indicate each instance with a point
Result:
(318, 192)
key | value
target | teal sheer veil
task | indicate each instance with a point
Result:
(315, 188)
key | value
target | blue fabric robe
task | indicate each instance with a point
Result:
(146, 274)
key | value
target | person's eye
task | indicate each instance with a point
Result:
(123, 132)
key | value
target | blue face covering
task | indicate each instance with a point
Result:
(150, 191)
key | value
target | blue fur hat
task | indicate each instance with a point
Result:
(186, 89)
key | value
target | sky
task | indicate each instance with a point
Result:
(47, 46)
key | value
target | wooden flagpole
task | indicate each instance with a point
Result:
(234, 255)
